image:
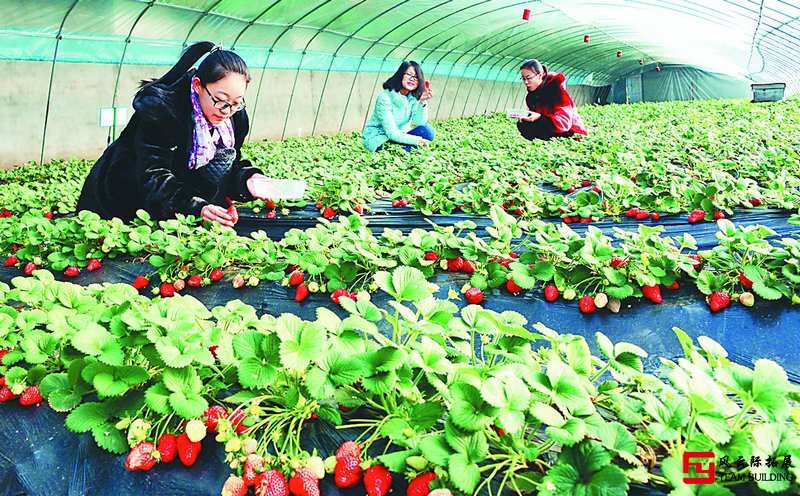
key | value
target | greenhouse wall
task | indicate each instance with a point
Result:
(282, 104)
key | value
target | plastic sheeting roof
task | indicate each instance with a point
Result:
(487, 39)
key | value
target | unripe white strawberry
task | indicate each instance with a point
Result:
(317, 466)
(196, 430)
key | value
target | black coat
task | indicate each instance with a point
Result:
(147, 167)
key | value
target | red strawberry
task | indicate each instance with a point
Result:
(237, 281)
(336, 295)
(455, 264)
(216, 275)
(719, 300)
(619, 262)
(3, 353)
(296, 278)
(234, 486)
(632, 212)
(140, 282)
(270, 204)
(348, 448)
(6, 394)
(395, 203)
(474, 296)
(513, 255)
(512, 287)
(11, 261)
(377, 481)
(427, 84)
(29, 268)
(167, 290)
(195, 281)
(550, 293)
(179, 285)
(586, 182)
(652, 293)
(696, 216)
(571, 189)
(420, 486)
(642, 215)
(93, 265)
(347, 472)
(187, 450)
(359, 209)
(141, 457)
(304, 483)
(31, 396)
(696, 258)
(746, 283)
(329, 213)
(596, 189)
(469, 267)
(272, 215)
(253, 467)
(213, 350)
(403, 202)
(505, 262)
(237, 420)
(586, 304)
(48, 215)
(431, 256)
(168, 447)
(719, 215)
(273, 483)
(212, 416)
(301, 292)
(233, 213)
(655, 216)
(567, 220)
(674, 285)
(756, 202)
(72, 271)
(319, 206)
(498, 430)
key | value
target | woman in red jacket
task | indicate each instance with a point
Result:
(553, 112)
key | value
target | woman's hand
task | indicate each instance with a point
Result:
(532, 116)
(214, 213)
(426, 95)
(253, 183)
(423, 142)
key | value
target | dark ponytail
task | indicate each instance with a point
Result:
(535, 66)
(218, 64)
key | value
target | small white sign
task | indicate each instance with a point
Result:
(107, 116)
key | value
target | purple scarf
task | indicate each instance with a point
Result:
(203, 145)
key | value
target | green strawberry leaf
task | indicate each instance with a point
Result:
(86, 417)
(463, 473)
(110, 438)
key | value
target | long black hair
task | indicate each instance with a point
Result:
(395, 83)
(218, 64)
(535, 66)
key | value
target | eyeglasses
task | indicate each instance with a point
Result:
(411, 77)
(529, 78)
(223, 105)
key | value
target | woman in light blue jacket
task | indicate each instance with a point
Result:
(404, 99)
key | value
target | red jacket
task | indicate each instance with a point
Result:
(552, 101)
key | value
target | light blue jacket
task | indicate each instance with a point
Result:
(391, 120)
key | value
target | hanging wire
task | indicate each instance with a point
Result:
(755, 32)
(52, 75)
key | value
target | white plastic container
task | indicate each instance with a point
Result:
(518, 113)
(280, 188)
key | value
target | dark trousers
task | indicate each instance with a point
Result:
(424, 131)
(542, 129)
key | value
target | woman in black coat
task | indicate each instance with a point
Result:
(180, 152)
